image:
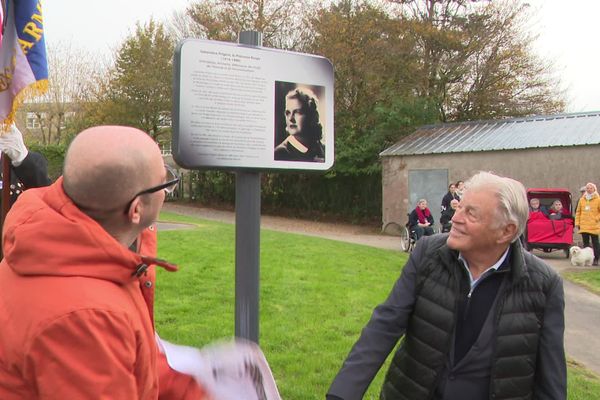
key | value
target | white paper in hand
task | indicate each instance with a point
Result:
(228, 371)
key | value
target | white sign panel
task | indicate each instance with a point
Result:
(239, 106)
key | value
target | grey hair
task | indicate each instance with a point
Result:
(513, 206)
(421, 201)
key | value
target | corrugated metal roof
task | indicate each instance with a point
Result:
(520, 133)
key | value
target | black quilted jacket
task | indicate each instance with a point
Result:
(416, 366)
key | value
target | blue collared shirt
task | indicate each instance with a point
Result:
(494, 267)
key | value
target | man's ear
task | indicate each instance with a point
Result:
(134, 213)
(507, 233)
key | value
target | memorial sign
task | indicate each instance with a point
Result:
(246, 107)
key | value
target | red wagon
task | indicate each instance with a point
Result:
(545, 233)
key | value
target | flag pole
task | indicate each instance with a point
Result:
(5, 197)
(5, 157)
(24, 60)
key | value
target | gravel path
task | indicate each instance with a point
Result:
(582, 315)
(582, 310)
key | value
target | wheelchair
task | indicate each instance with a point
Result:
(408, 238)
(407, 241)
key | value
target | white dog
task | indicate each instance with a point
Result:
(581, 257)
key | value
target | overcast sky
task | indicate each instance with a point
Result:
(568, 35)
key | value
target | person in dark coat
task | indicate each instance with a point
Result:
(480, 317)
(420, 220)
(446, 218)
(29, 169)
(448, 197)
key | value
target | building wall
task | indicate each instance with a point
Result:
(566, 167)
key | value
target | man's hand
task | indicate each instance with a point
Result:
(13, 146)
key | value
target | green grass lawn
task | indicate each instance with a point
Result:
(581, 383)
(315, 297)
(588, 279)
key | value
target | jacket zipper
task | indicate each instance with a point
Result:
(468, 305)
(451, 336)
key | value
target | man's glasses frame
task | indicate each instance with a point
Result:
(169, 186)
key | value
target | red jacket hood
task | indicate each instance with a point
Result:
(45, 234)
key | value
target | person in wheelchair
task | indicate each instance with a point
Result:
(446, 218)
(420, 220)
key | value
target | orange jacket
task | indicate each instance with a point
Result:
(76, 309)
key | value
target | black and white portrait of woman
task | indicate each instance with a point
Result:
(298, 128)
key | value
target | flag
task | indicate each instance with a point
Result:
(23, 63)
(1, 22)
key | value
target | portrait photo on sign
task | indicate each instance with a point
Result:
(299, 122)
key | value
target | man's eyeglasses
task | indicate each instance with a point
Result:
(169, 186)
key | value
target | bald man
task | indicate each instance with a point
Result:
(77, 280)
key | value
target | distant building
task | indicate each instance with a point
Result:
(540, 151)
(44, 122)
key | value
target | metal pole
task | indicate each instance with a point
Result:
(6, 175)
(247, 239)
(247, 254)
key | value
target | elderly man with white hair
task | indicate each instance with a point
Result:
(480, 317)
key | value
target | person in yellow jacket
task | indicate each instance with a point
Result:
(587, 219)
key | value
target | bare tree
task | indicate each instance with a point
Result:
(281, 22)
(503, 77)
(71, 72)
(477, 60)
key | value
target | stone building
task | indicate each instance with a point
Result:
(561, 151)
